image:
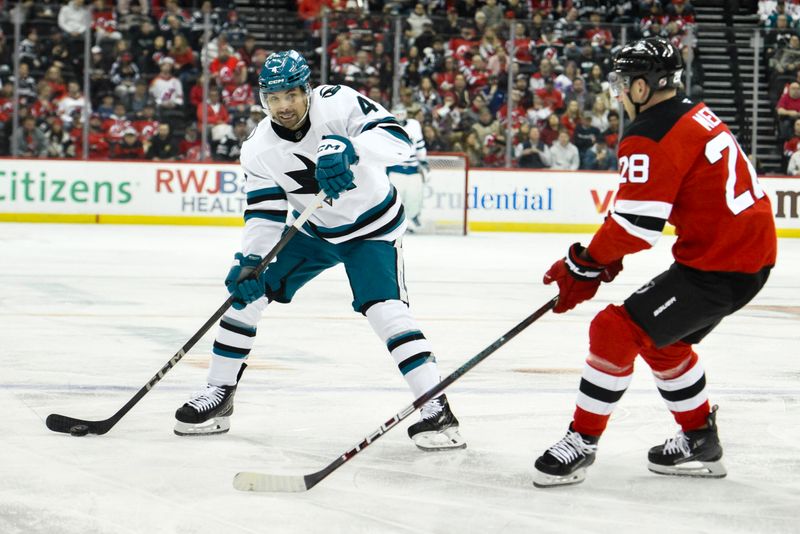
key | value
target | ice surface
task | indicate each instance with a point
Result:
(90, 313)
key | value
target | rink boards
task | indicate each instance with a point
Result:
(125, 192)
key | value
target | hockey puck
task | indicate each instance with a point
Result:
(79, 430)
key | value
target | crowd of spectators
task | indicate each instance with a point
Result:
(146, 83)
(781, 21)
(144, 71)
(455, 65)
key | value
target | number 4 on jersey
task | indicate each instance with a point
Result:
(366, 105)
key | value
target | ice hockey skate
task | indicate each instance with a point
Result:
(565, 462)
(696, 453)
(438, 427)
(208, 411)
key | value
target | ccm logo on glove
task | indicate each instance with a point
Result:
(335, 154)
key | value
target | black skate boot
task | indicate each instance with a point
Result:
(208, 411)
(566, 462)
(696, 453)
(438, 427)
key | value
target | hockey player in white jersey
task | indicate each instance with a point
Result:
(410, 175)
(333, 139)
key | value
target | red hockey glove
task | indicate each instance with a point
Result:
(578, 277)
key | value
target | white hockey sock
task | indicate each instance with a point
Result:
(231, 347)
(423, 377)
(223, 371)
(412, 353)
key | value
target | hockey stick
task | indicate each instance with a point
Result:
(63, 423)
(250, 481)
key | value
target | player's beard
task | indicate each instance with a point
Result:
(290, 119)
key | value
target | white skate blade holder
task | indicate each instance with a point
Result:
(216, 425)
(543, 480)
(694, 468)
(449, 438)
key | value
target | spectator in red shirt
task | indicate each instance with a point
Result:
(571, 117)
(596, 32)
(104, 22)
(44, 105)
(463, 46)
(217, 114)
(518, 112)
(790, 146)
(789, 109)
(476, 73)
(53, 78)
(183, 55)
(98, 143)
(549, 133)
(191, 139)
(551, 97)
(130, 147)
(146, 124)
(238, 94)
(118, 123)
(447, 76)
(223, 65)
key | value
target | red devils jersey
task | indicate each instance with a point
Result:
(679, 163)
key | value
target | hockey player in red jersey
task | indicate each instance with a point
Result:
(678, 163)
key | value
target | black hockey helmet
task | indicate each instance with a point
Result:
(654, 59)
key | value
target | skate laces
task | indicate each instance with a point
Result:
(432, 409)
(570, 447)
(207, 398)
(680, 443)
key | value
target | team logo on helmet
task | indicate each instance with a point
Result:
(283, 71)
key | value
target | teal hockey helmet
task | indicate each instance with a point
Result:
(283, 71)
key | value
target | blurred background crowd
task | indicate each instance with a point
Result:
(503, 81)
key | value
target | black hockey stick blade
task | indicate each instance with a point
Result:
(63, 423)
(264, 482)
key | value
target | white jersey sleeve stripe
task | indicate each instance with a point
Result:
(648, 208)
(649, 236)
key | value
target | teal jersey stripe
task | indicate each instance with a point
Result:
(389, 227)
(267, 193)
(270, 215)
(404, 169)
(368, 217)
(398, 132)
(373, 124)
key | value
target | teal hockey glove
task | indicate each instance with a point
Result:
(335, 154)
(241, 283)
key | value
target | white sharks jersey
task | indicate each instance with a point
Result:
(279, 167)
(420, 155)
